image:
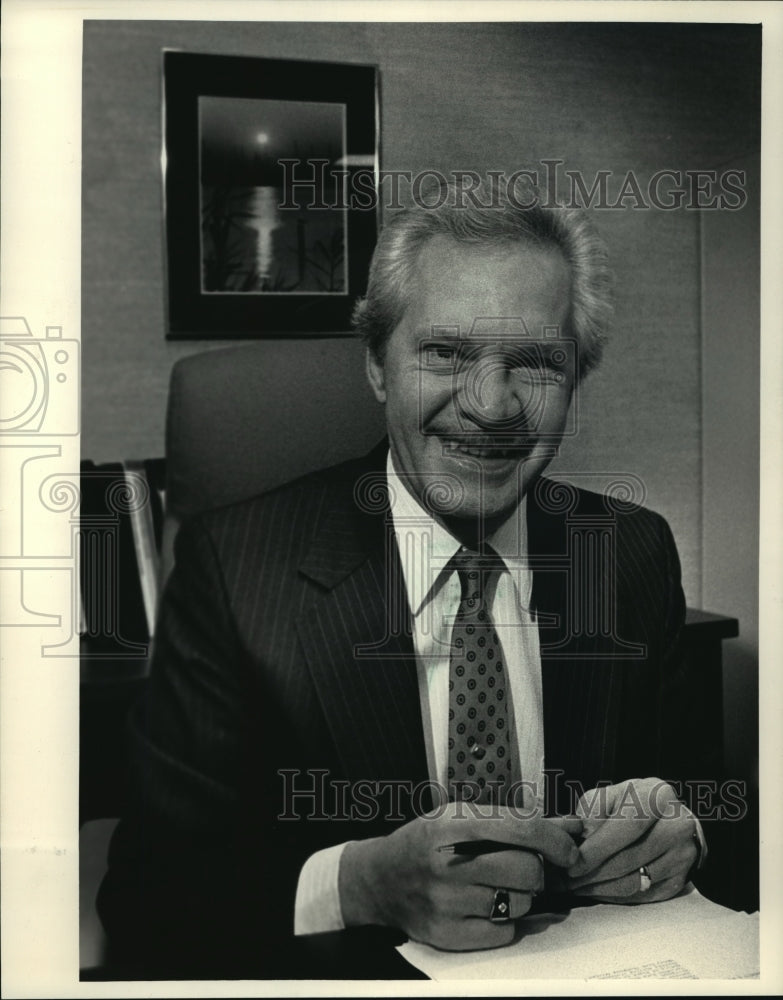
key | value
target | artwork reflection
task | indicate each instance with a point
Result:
(250, 243)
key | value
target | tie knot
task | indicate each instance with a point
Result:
(476, 570)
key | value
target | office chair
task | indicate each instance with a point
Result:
(242, 420)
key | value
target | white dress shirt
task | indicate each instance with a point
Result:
(425, 549)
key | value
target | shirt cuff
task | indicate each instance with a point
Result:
(317, 907)
(701, 844)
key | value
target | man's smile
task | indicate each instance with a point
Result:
(488, 449)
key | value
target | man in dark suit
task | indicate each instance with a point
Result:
(431, 646)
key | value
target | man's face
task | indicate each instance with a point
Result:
(480, 408)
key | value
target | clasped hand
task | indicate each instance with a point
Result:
(627, 826)
(404, 881)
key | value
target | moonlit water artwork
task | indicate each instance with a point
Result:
(261, 233)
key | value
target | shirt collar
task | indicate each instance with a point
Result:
(426, 547)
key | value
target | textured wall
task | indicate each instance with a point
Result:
(730, 454)
(473, 96)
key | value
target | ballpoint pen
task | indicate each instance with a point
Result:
(473, 848)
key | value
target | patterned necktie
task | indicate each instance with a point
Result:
(483, 758)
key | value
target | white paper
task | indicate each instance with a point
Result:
(684, 938)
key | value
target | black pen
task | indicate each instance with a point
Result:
(473, 848)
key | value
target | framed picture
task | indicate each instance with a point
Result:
(271, 194)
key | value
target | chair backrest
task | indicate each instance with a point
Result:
(245, 419)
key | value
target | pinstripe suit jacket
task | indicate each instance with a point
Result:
(284, 659)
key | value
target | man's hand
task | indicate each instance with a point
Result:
(636, 823)
(403, 881)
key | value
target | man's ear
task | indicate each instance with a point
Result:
(376, 376)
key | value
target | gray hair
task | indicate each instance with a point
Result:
(499, 219)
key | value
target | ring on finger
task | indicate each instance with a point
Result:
(645, 880)
(501, 907)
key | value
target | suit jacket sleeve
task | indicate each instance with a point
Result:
(200, 883)
(692, 747)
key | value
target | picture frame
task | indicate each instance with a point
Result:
(270, 179)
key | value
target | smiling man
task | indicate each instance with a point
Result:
(387, 693)
(484, 409)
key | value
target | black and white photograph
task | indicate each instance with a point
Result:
(388, 522)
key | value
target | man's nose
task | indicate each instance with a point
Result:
(488, 394)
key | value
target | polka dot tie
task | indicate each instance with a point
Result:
(482, 750)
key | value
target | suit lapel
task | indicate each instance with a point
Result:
(581, 687)
(358, 644)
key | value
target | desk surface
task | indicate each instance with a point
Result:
(704, 625)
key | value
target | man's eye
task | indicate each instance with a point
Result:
(441, 356)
